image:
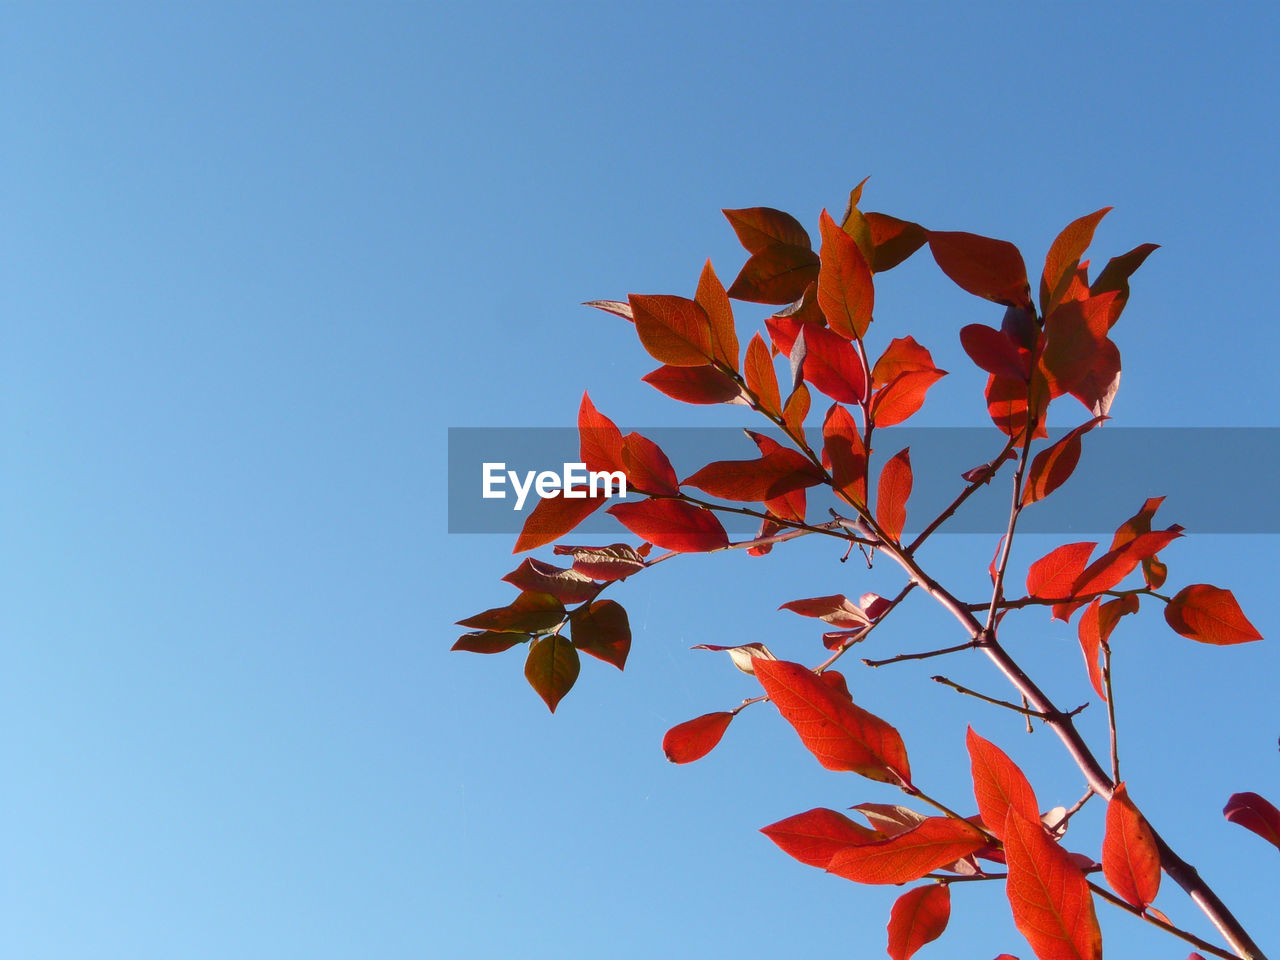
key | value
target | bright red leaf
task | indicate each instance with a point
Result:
(933, 843)
(1130, 859)
(773, 475)
(1064, 256)
(903, 396)
(672, 524)
(998, 785)
(845, 290)
(992, 269)
(815, 836)
(839, 733)
(903, 355)
(1051, 577)
(994, 352)
(843, 450)
(1115, 276)
(647, 467)
(1255, 813)
(695, 738)
(1050, 898)
(1210, 615)
(918, 917)
(599, 439)
(1053, 465)
(833, 365)
(893, 492)
(693, 384)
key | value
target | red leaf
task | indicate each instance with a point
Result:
(528, 613)
(1075, 343)
(893, 492)
(674, 330)
(1152, 570)
(488, 641)
(815, 836)
(770, 476)
(933, 843)
(992, 269)
(777, 274)
(614, 562)
(845, 290)
(837, 610)
(647, 467)
(903, 355)
(843, 449)
(552, 668)
(694, 739)
(840, 734)
(918, 917)
(1115, 276)
(693, 384)
(994, 352)
(712, 298)
(1113, 566)
(1130, 860)
(903, 397)
(998, 785)
(599, 439)
(1049, 895)
(1255, 813)
(1007, 406)
(1097, 387)
(672, 525)
(1090, 634)
(1053, 465)
(567, 586)
(761, 227)
(762, 379)
(552, 517)
(832, 365)
(894, 240)
(1210, 615)
(603, 631)
(1064, 256)
(1051, 577)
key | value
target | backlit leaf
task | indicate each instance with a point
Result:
(837, 610)
(903, 396)
(599, 439)
(903, 355)
(693, 384)
(528, 613)
(672, 524)
(552, 668)
(695, 738)
(845, 289)
(1115, 276)
(992, 269)
(1064, 256)
(614, 562)
(712, 298)
(1255, 813)
(893, 492)
(762, 379)
(998, 785)
(1051, 577)
(1113, 566)
(843, 449)
(833, 366)
(1130, 859)
(1048, 894)
(648, 469)
(815, 836)
(603, 631)
(554, 516)
(840, 734)
(567, 586)
(994, 352)
(673, 329)
(773, 475)
(918, 917)
(761, 227)
(778, 274)
(1053, 466)
(1210, 615)
(893, 240)
(933, 843)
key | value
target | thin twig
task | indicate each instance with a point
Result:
(1111, 710)
(985, 478)
(921, 656)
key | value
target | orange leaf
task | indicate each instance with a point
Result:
(1064, 256)
(672, 525)
(1210, 615)
(845, 290)
(1115, 276)
(894, 240)
(892, 494)
(1007, 406)
(902, 397)
(695, 738)
(992, 269)
(552, 517)
(1113, 566)
(712, 298)
(647, 467)
(839, 733)
(933, 843)
(918, 917)
(761, 227)
(1130, 860)
(1051, 577)
(1254, 813)
(773, 475)
(1053, 465)
(674, 330)
(903, 355)
(796, 409)
(777, 274)
(843, 449)
(815, 836)
(693, 384)
(552, 668)
(1049, 895)
(599, 439)
(998, 785)
(762, 379)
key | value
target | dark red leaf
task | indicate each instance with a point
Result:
(603, 631)
(614, 562)
(994, 352)
(1130, 859)
(694, 739)
(918, 917)
(778, 274)
(761, 227)
(1255, 813)
(673, 329)
(693, 384)
(894, 240)
(841, 735)
(552, 668)
(488, 641)
(1049, 895)
(843, 450)
(1210, 615)
(1115, 276)
(845, 290)
(528, 613)
(647, 467)
(567, 586)
(992, 269)
(672, 525)
(815, 836)
(1007, 406)
(1053, 466)
(893, 492)
(933, 843)
(754, 481)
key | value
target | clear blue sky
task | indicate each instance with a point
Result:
(257, 258)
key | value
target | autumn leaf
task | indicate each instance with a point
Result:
(893, 492)
(1255, 813)
(1050, 898)
(761, 227)
(918, 917)
(703, 385)
(554, 516)
(843, 449)
(994, 352)
(776, 473)
(673, 329)
(599, 439)
(603, 631)
(998, 785)
(647, 467)
(552, 668)
(903, 396)
(840, 734)
(992, 269)
(1051, 577)
(714, 301)
(762, 379)
(1064, 256)
(1130, 859)
(837, 610)
(933, 843)
(488, 641)
(694, 739)
(528, 613)
(1053, 466)
(567, 586)
(893, 240)
(845, 289)
(815, 836)
(672, 525)
(1210, 615)
(609, 563)
(832, 365)
(777, 274)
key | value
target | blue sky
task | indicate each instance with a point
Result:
(258, 258)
